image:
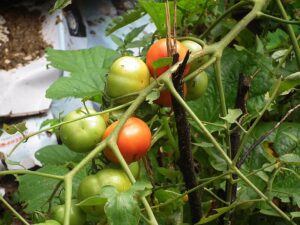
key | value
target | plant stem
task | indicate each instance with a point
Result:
(63, 123)
(261, 14)
(291, 32)
(169, 132)
(57, 177)
(249, 132)
(13, 210)
(228, 11)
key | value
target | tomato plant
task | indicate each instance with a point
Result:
(77, 217)
(82, 135)
(134, 140)
(127, 75)
(197, 86)
(91, 185)
(158, 50)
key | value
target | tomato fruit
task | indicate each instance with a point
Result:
(82, 135)
(197, 86)
(134, 140)
(127, 74)
(165, 97)
(193, 47)
(91, 185)
(159, 50)
(134, 168)
(77, 216)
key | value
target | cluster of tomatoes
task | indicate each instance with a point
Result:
(127, 75)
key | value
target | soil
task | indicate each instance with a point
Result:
(25, 39)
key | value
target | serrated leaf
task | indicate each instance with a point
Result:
(124, 20)
(141, 186)
(233, 115)
(88, 68)
(60, 4)
(14, 128)
(134, 33)
(118, 41)
(36, 190)
(108, 191)
(57, 155)
(122, 209)
(276, 39)
(156, 11)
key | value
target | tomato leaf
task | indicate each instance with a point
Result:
(60, 4)
(124, 20)
(122, 209)
(88, 68)
(233, 115)
(14, 128)
(93, 201)
(36, 190)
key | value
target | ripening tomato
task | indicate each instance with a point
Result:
(134, 140)
(127, 75)
(158, 50)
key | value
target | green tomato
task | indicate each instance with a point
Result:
(134, 168)
(77, 217)
(49, 222)
(197, 86)
(92, 184)
(127, 75)
(82, 135)
(193, 47)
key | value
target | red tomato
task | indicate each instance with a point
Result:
(159, 50)
(134, 140)
(165, 97)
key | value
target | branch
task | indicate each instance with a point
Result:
(247, 153)
(260, 14)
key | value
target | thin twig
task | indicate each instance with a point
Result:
(247, 153)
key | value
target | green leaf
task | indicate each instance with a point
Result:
(122, 209)
(233, 115)
(220, 211)
(152, 96)
(162, 62)
(290, 158)
(57, 155)
(156, 11)
(295, 214)
(36, 190)
(276, 39)
(134, 33)
(124, 20)
(169, 173)
(14, 128)
(60, 4)
(88, 68)
(118, 41)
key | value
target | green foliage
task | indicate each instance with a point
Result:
(14, 128)
(60, 4)
(88, 69)
(35, 191)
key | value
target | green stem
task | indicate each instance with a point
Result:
(230, 10)
(195, 39)
(169, 132)
(191, 190)
(13, 210)
(68, 199)
(249, 132)
(291, 32)
(65, 122)
(215, 196)
(262, 195)
(260, 14)
(2, 173)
